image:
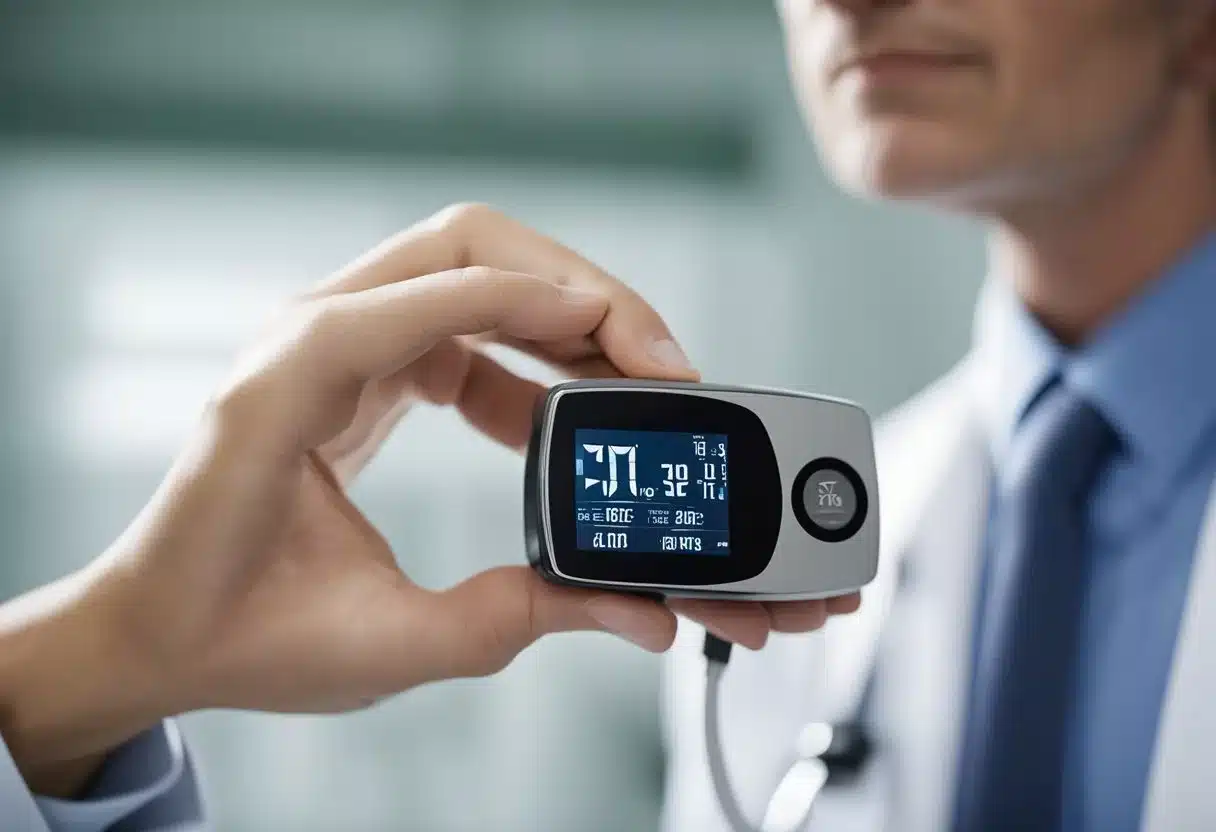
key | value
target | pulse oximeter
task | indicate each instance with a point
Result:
(701, 490)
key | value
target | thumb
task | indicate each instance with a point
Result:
(492, 617)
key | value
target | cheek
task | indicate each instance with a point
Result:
(1079, 86)
(806, 44)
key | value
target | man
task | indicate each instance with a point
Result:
(1041, 623)
(1083, 132)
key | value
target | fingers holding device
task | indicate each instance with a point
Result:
(694, 490)
(251, 579)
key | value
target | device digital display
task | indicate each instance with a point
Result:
(651, 491)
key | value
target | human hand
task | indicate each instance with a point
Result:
(252, 581)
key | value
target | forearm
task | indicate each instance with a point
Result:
(70, 689)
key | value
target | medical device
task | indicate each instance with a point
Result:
(686, 489)
(679, 489)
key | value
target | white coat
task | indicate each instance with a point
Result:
(915, 629)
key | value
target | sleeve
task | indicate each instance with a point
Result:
(147, 784)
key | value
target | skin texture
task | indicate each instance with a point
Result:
(1082, 132)
(1040, 97)
(251, 581)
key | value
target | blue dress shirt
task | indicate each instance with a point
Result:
(1151, 371)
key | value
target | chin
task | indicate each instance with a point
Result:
(906, 162)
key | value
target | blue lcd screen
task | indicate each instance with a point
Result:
(651, 491)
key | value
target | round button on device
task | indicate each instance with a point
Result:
(829, 500)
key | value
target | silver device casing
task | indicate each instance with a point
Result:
(802, 428)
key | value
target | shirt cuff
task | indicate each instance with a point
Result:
(133, 776)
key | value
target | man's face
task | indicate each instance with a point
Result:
(979, 102)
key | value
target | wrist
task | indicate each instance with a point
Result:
(73, 686)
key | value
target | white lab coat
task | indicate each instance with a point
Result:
(933, 470)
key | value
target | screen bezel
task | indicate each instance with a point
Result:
(756, 498)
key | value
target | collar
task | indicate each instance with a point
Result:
(1151, 370)
(1015, 360)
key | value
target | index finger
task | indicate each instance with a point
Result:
(302, 387)
(632, 335)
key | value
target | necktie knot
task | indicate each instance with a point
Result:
(1059, 451)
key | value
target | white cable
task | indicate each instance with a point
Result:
(713, 745)
(791, 805)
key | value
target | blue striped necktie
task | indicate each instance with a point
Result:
(1012, 753)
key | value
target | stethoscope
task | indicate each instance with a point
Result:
(822, 750)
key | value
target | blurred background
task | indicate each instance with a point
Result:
(169, 172)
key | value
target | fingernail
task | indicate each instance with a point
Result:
(627, 625)
(573, 294)
(668, 353)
